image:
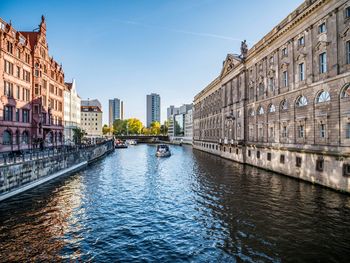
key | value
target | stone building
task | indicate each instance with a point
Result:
(284, 104)
(32, 90)
(91, 118)
(72, 103)
(15, 89)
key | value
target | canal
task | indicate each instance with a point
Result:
(133, 207)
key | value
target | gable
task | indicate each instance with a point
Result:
(229, 64)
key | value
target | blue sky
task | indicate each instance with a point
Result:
(127, 49)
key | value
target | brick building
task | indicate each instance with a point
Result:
(31, 88)
(284, 104)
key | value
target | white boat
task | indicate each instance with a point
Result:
(131, 142)
(163, 150)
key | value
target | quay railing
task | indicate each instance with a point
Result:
(10, 158)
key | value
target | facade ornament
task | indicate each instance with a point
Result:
(244, 49)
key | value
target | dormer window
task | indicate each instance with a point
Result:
(284, 52)
(301, 41)
(322, 28)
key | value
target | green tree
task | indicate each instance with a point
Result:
(107, 130)
(164, 128)
(119, 127)
(155, 128)
(78, 135)
(134, 126)
(146, 131)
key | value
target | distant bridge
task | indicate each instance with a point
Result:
(143, 138)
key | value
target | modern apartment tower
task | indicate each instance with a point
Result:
(116, 110)
(153, 108)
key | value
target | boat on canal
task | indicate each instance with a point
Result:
(163, 150)
(131, 142)
(120, 144)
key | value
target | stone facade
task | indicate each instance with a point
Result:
(284, 104)
(31, 86)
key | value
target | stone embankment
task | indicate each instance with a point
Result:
(18, 174)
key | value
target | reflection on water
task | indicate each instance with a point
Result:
(193, 206)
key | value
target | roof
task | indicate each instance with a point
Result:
(68, 85)
(93, 102)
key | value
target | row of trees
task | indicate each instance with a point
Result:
(135, 126)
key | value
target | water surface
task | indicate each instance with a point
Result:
(134, 207)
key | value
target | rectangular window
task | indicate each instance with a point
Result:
(8, 89)
(282, 159)
(18, 72)
(269, 156)
(298, 161)
(301, 131)
(18, 93)
(301, 41)
(301, 71)
(323, 130)
(323, 62)
(319, 165)
(348, 131)
(8, 67)
(249, 153)
(284, 52)
(347, 12)
(258, 154)
(271, 86)
(17, 114)
(8, 113)
(322, 28)
(346, 169)
(285, 78)
(284, 131)
(9, 47)
(25, 116)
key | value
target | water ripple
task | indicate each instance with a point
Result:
(191, 207)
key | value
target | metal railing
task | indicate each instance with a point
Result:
(10, 158)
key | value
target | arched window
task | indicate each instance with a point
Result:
(346, 91)
(49, 137)
(301, 101)
(323, 96)
(284, 105)
(260, 110)
(25, 137)
(272, 108)
(6, 137)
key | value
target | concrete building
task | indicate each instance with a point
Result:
(72, 104)
(153, 108)
(32, 85)
(284, 104)
(91, 118)
(181, 124)
(172, 110)
(116, 110)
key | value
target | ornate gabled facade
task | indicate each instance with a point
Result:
(31, 87)
(284, 105)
